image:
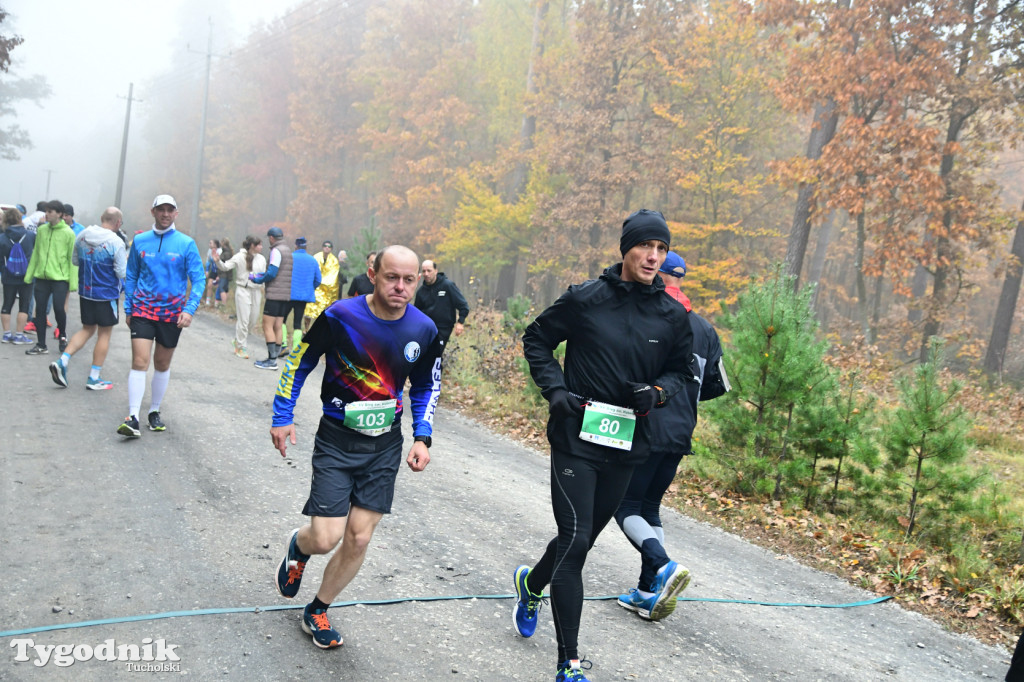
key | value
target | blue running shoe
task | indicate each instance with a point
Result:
(639, 604)
(524, 613)
(8, 337)
(315, 623)
(59, 373)
(289, 572)
(670, 581)
(571, 671)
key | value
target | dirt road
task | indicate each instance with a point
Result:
(97, 527)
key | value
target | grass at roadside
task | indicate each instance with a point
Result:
(975, 585)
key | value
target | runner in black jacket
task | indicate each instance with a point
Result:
(627, 349)
(671, 431)
(441, 301)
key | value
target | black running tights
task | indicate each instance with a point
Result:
(59, 290)
(584, 496)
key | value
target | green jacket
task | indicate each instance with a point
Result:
(51, 257)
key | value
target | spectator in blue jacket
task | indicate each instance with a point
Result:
(102, 262)
(306, 278)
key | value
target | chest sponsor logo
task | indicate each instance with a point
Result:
(412, 351)
(441, 293)
(653, 340)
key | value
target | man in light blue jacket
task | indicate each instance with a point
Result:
(102, 261)
(162, 290)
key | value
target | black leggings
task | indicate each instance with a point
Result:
(643, 498)
(584, 496)
(59, 290)
(22, 292)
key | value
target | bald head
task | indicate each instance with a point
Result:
(429, 272)
(395, 273)
(396, 254)
(111, 218)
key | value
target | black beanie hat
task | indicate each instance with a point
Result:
(641, 226)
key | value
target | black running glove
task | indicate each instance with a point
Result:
(642, 398)
(563, 404)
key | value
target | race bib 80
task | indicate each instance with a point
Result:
(608, 425)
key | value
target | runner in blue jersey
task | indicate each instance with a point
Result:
(371, 344)
(162, 290)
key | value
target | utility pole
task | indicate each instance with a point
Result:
(124, 146)
(193, 227)
(48, 174)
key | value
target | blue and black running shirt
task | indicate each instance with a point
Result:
(367, 358)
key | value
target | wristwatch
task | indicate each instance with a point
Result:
(426, 440)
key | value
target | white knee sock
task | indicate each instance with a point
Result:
(160, 380)
(136, 389)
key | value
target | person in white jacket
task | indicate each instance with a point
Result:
(248, 294)
(102, 261)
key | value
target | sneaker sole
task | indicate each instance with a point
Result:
(309, 631)
(284, 565)
(157, 428)
(270, 367)
(128, 431)
(99, 387)
(58, 378)
(667, 604)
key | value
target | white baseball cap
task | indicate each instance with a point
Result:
(162, 199)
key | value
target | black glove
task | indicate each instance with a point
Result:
(642, 398)
(563, 404)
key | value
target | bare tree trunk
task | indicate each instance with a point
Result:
(529, 125)
(818, 260)
(1007, 306)
(823, 129)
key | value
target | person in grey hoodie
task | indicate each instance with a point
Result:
(102, 263)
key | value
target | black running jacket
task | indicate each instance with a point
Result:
(615, 332)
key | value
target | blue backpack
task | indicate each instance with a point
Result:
(17, 262)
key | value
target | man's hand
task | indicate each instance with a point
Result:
(641, 397)
(282, 434)
(564, 404)
(459, 329)
(128, 321)
(184, 320)
(419, 456)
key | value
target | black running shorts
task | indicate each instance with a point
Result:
(165, 333)
(277, 308)
(352, 469)
(100, 313)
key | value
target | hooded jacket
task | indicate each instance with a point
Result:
(615, 332)
(672, 427)
(51, 255)
(102, 262)
(7, 239)
(440, 301)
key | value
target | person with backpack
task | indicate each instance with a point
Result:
(16, 244)
(53, 273)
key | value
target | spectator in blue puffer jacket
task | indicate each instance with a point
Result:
(306, 278)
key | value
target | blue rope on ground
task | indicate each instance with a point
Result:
(377, 602)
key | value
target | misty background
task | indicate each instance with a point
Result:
(88, 53)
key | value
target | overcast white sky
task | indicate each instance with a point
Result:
(89, 52)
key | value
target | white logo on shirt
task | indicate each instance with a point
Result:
(412, 351)
(441, 293)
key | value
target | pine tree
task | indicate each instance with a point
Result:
(775, 364)
(926, 440)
